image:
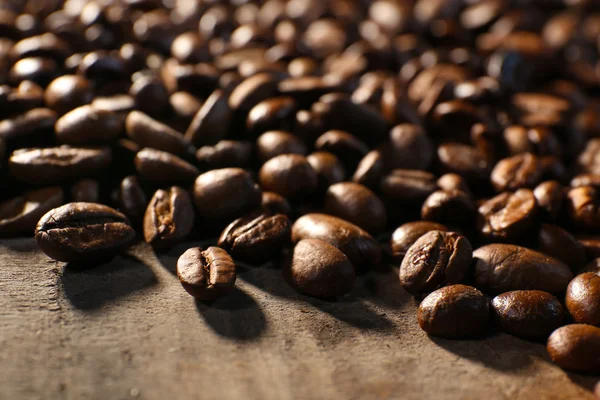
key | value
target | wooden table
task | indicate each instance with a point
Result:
(127, 330)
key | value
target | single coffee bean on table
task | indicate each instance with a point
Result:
(576, 347)
(169, 217)
(206, 274)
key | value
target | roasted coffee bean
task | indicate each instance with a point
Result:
(453, 207)
(576, 347)
(289, 175)
(169, 217)
(582, 298)
(257, 237)
(520, 171)
(434, 260)
(274, 203)
(271, 114)
(550, 197)
(147, 132)
(560, 244)
(500, 268)
(328, 168)
(345, 146)
(319, 269)
(410, 148)
(78, 232)
(252, 91)
(307, 89)
(189, 48)
(120, 103)
(586, 180)
(68, 92)
(226, 194)
(150, 95)
(454, 312)
(274, 143)
(206, 274)
(225, 154)
(22, 128)
(539, 141)
(531, 314)
(407, 234)
(18, 216)
(37, 69)
(582, 205)
(508, 217)
(452, 182)
(409, 186)
(464, 160)
(85, 190)
(58, 164)
(160, 167)
(131, 199)
(212, 121)
(370, 170)
(360, 247)
(357, 204)
(87, 125)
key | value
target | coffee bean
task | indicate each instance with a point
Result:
(560, 244)
(58, 164)
(520, 171)
(252, 91)
(434, 260)
(169, 217)
(185, 105)
(190, 48)
(87, 125)
(131, 199)
(452, 207)
(409, 186)
(539, 141)
(274, 143)
(345, 146)
(582, 205)
(463, 160)
(78, 232)
(586, 180)
(454, 312)
(508, 217)
(148, 132)
(257, 237)
(289, 175)
(85, 190)
(588, 160)
(550, 197)
(452, 182)
(328, 168)
(360, 247)
(576, 347)
(370, 170)
(211, 122)
(37, 69)
(319, 269)
(530, 314)
(226, 194)
(68, 92)
(19, 215)
(307, 89)
(225, 154)
(271, 114)
(407, 234)
(582, 297)
(120, 103)
(150, 95)
(500, 268)
(206, 274)
(274, 203)
(357, 204)
(160, 167)
(25, 127)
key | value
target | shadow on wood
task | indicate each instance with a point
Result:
(90, 288)
(235, 316)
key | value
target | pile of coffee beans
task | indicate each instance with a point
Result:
(306, 134)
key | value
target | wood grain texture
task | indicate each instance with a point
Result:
(126, 330)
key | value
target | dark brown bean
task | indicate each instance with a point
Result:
(357, 204)
(576, 347)
(271, 114)
(211, 122)
(85, 190)
(345, 146)
(463, 160)
(160, 167)
(434, 260)
(328, 168)
(454, 312)
(550, 197)
(18, 216)
(289, 175)
(87, 125)
(274, 143)
(272, 202)
(452, 207)
(252, 91)
(68, 92)
(206, 274)
(226, 194)
(583, 298)
(225, 154)
(78, 232)
(508, 217)
(360, 247)
(582, 205)
(147, 132)
(22, 128)
(407, 234)
(560, 244)
(412, 186)
(169, 217)
(257, 237)
(410, 148)
(500, 268)
(370, 170)
(531, 314)
(319, 269)
(132, 199)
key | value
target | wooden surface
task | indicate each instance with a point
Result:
(127, 330)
